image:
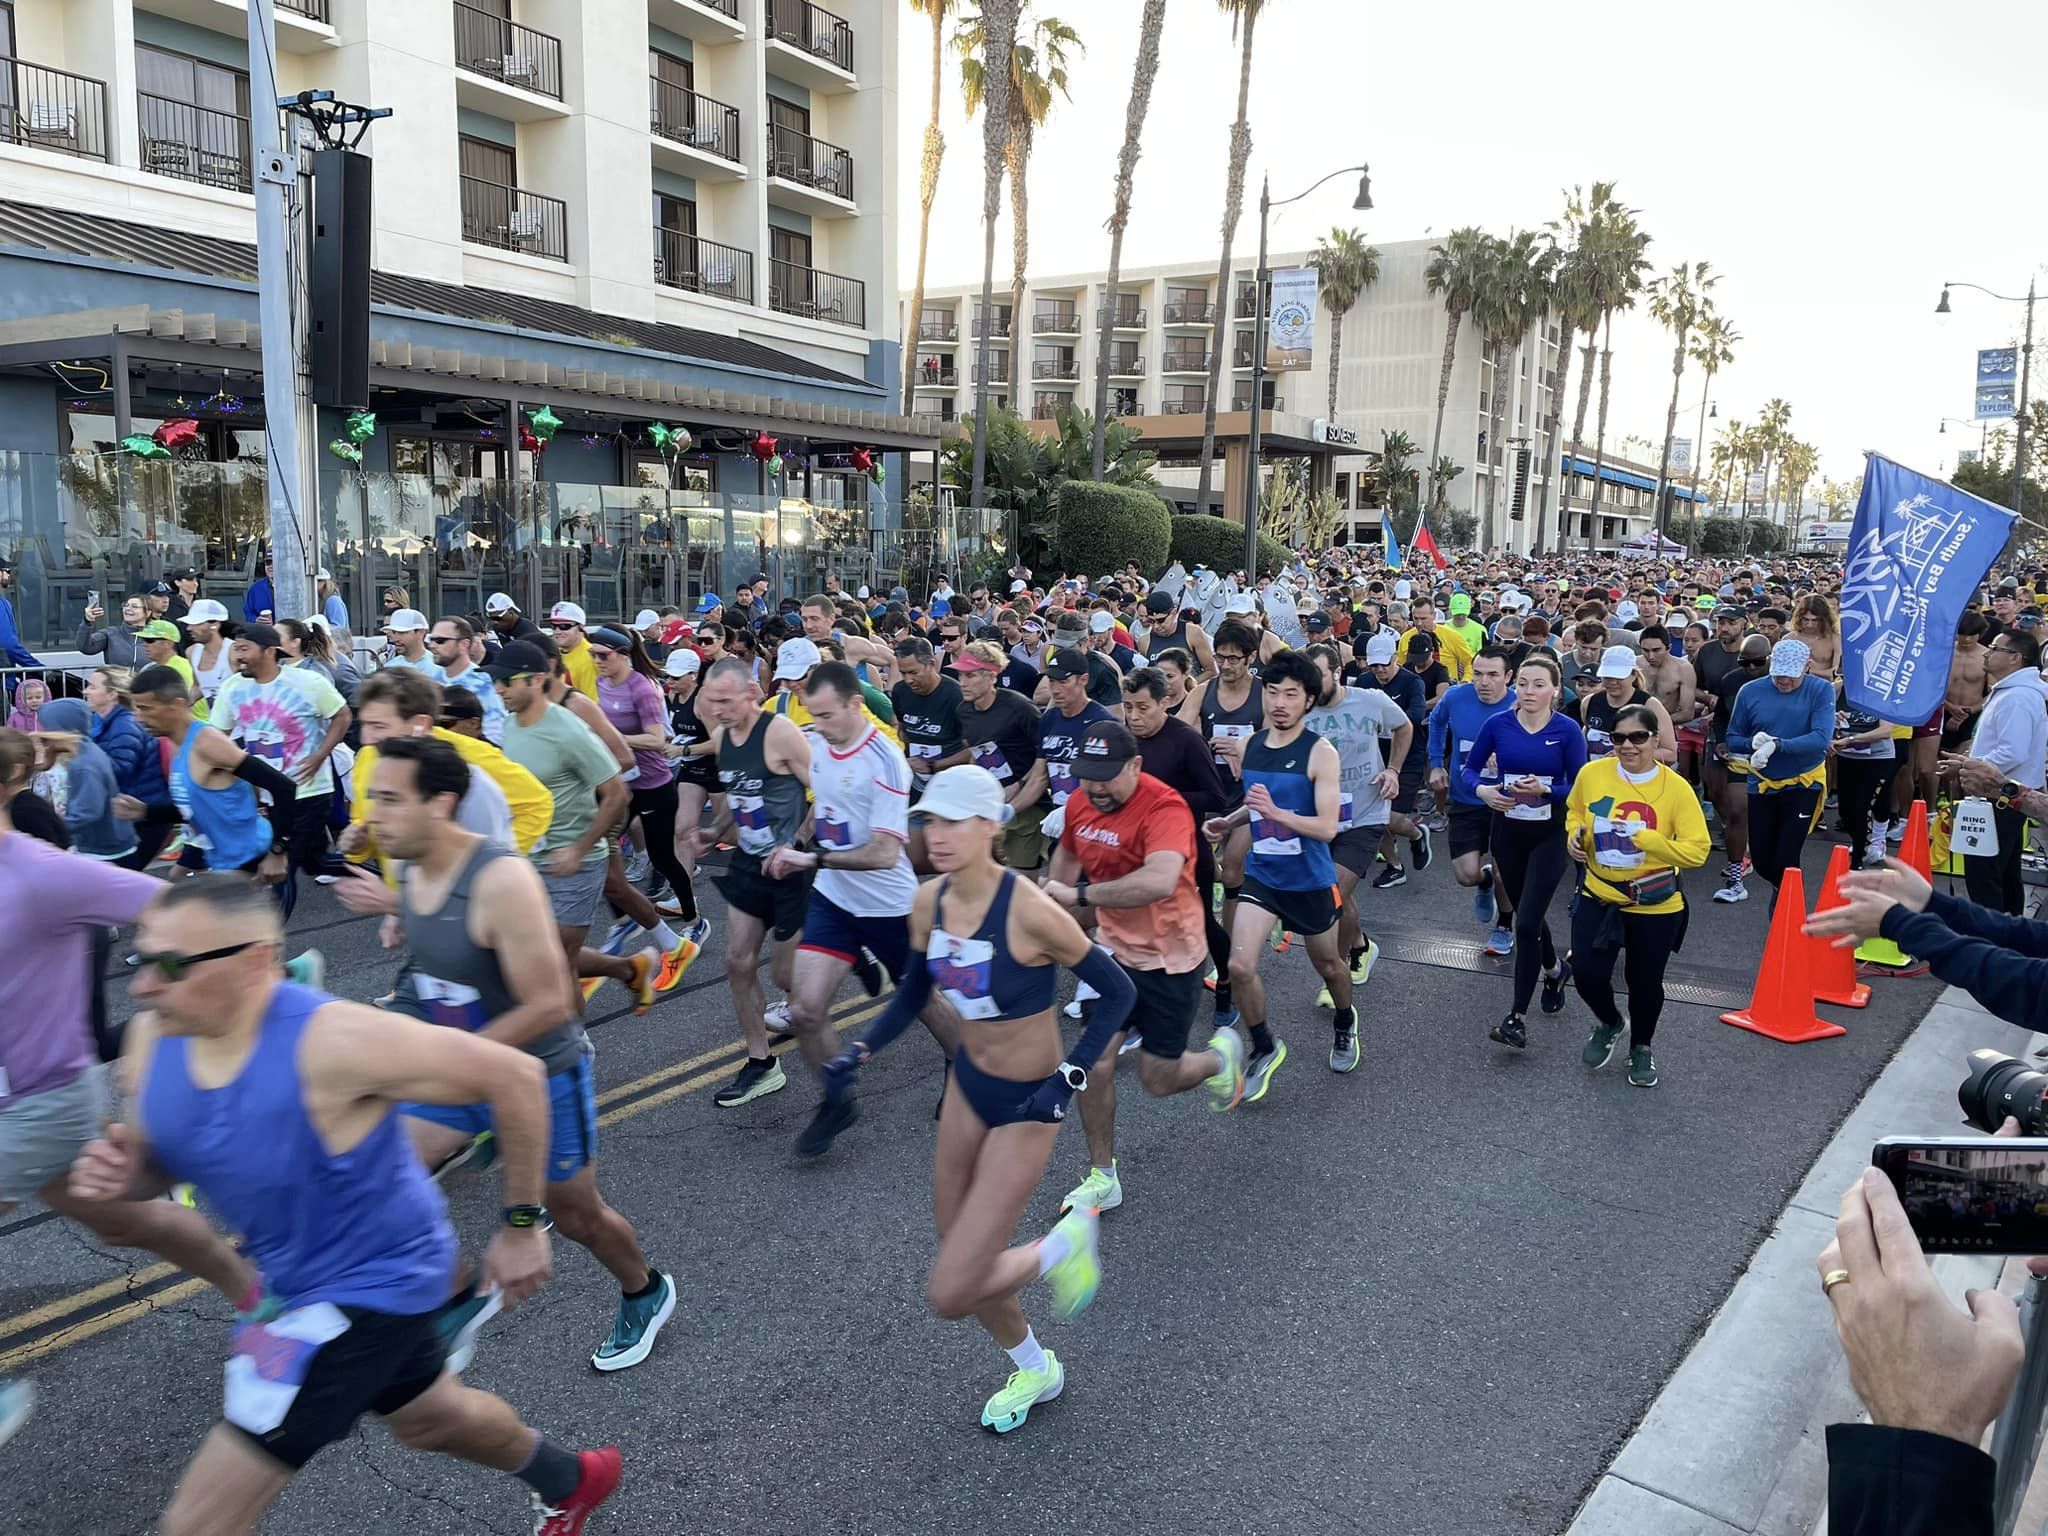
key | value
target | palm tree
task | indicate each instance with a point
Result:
(1455, 271)
(1244, 17)
(1038, 70)
(1678, 302)
(999, 33)
(1728, 453)
(1510, 297)
(927, 191)
(1771, 437)
(1345, 267)
(1619, 265)
(1571, 295)
(1143, 73)
(1713, 348)
(1796, 463)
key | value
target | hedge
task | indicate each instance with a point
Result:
(1102, 526)
(1200, 539)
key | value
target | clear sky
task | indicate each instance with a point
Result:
(1835, 160)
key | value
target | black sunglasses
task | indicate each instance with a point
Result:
(172, 966)
(1753, 662)
(1633, 738)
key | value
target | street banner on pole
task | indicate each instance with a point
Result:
(1753, 486)
(1291, 325)
(1916, 552)
(1997, 365)
(1387, 533)
(1995, 402)
(1681, 455)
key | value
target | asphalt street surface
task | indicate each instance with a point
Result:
(1432, 1296)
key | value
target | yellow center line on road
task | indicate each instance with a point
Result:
(845, 1015)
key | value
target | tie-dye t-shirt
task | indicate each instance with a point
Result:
(282, 721)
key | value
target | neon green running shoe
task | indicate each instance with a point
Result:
(1075, 1278)
(1226, 1088)
(1323, 998)
(1024, 1391)
(1102, 1190)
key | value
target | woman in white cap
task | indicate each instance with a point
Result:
(1621, 684)
(992, 944)
(332, 607)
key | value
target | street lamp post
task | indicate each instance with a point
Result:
(1361, 203)
(2019, 442)
(1983, 431)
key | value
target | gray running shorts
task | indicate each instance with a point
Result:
(574, 897)
(41, 1135)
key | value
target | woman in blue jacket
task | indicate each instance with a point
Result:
(138, 766)
(90, 783)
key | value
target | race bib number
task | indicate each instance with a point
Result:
(1598, 742)
(1345, 805)
(1532, 804)
(1227, 733)
(750, 822)
(1273, 840)
(831, 831)
(1614, 844)
(1490, 774)
(926, 752)
(268, 1364)
(962, 970)
(449, 1002)
(1062, 779)
(990, 756)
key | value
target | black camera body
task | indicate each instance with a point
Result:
(2000, 1085)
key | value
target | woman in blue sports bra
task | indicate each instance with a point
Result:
(991, 945)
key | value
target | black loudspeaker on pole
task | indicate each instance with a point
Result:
(339, 364)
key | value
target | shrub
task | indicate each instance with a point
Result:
(1200, 539)
(1102, 526)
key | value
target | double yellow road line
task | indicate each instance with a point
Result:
(113, 1303)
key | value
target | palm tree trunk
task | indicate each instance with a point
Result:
(999, 19)
(1443, 393)
(1670, 426)
(1564, 537)
(1143, 72)
(1553, 474)
(1018, 157)
(1699, 447)
(1600, 436)
(1336, 358)
(1226, 300)
(1494, 415)
(927, 192)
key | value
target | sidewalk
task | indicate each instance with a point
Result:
(1735, 1444)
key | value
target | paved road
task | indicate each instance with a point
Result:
(1432, 1297)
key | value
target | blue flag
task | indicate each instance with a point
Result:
(1387, 533)
(1916, 553)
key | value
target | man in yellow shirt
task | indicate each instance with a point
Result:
(567, 623)
(1450, 645)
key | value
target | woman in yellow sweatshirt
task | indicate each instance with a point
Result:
(1634, 824)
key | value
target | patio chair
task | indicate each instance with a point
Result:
(52, 123)
(517, 69)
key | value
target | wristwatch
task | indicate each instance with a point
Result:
(520, 1217)
(2009, 794)
(1076, 1077)
(1080, 890)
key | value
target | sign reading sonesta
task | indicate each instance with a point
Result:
(1320, 431)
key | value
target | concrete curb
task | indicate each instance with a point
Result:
(1735, 1444)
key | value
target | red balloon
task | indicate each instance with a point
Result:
(764, 447)
(176, 434)
(529, 442)
(863, 460)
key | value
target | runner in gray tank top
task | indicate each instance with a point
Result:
(480, 936)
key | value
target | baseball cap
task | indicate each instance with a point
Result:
(1102, 623)
(1158, 602)
(611, 639)
(1725, 610)
(500, 602)
(323, 574)
(1242, 603)
(260, 635)
(967, 661)
(412, 618)
(1618, 661)
(6, 564)
(518, 659)
(317, 620)
(683, 663)
(1404, 589)
(1018, 586)
(1627, 611)
(1066, 664)
(1062, 638)
(1789, 658)
(568, 613)
(707, 602)
(862, 594)
(899, 594)
(963, 793)
(1461, 603)
(206, 611)
(158, 629)
(157, 589)
(645, 617)
(1316, 623)
(1105, 749)
(1380, 649)
(795, 658)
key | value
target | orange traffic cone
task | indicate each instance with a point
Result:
(1834, 970)
(1916, 850)
(1781, 1007)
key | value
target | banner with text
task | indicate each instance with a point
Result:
(1681, 455)
(1916, 552)
(1291, 326)
(1997, 369)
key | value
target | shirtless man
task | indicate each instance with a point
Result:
(1670, 679)
(1968, 684)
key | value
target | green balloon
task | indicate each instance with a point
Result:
(342, 448)
(362, 426)
(545, 423)
(661, 436)
(143, 446)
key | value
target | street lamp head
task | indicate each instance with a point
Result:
(1942, 307)
(1943, 428)
(1363, 202)
(1714, 411)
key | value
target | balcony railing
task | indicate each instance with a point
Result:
(998, 371)
(1130, 366)
(1243, 402)
(1125, 317)
(813, 29)
(1068, 369)
(1184, 362)
(507, 52)
(1184, 405)
(1247, 298)
(194, 143)
(1241, 354)
(1203, 313)
(1058, 322)
(53, 109)
(932, 420)
(698, 121)
(312, 10)
(795, 290)
(697, 265)
(937, 373)
(727, 7)
(999, 325)
(947, 329)
(514, 220)
(810, 162)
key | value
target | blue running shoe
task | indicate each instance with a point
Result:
(1501, 942)
(634, 1328)
(1485, 907)
(18, 1401)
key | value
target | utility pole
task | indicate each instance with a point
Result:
(2019, 444)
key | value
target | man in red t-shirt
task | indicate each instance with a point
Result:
(1127, 854)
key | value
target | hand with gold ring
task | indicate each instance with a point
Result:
(1915, 1360)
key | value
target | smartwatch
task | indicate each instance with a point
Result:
(1081, 890)
(1075, 1077)
(2009, 794)
(520, 1217)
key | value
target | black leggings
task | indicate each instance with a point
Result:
(1218, 938)
(150, 837)
(1862, 787)
(1599, 933)
(1778, 823)
(1530, 859)
(656, 809)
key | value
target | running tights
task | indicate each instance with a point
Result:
(656, 809)
(1778, 823)
(1530, 860)
(1648, 941)
(1863, 789)
(1213, 931)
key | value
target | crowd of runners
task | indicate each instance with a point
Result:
(1155, 781)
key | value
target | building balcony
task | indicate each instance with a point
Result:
(1247, 299)
(697, 265)
(1241, 354)
(303, 26)
(1064, 321)
(812, 175)
(1125, 317)
(53, 109)
(1184, 362)
(512, 219)
(1059, 371)
(985, 326)
(934, 420)
(1242, 401)
(998, 371)
(696, 131)
(703, 21)
(810, 45)
(944, 332)
(815, 295)
(937, 373)
(1183, 405)
(1203, 314)
(194, 143)
(515, 62)
(1130, 365)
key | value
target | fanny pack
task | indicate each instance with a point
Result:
(1650, 890)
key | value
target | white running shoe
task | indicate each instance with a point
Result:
(1083, 993)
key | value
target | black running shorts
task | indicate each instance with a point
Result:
(383, 1362)
(1307, 913)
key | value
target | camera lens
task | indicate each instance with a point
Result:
(2001, 1085)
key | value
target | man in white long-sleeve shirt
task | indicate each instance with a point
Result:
(2012, 736)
